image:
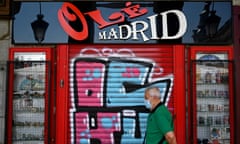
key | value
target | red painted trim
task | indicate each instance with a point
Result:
(192, 107)
(179, 93)
(211, 49)
(62, 101)
(52, 92)
(10, 104)
(30, 49)
(231, 103)
(48, 132)
(192, 100)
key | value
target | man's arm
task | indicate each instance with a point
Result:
(170, 137)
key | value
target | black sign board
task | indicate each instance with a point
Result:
(169, 22)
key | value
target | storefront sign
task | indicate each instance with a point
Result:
(132, 29)
(150, 22)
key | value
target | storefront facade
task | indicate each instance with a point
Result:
(119, 76)
(89, 79)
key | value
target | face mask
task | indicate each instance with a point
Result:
(147, 104)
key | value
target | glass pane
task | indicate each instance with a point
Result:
(29, 56)
(29, 97)
(212, 99)
(206, 56)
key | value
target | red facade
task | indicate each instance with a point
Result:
(99, 91)
(93, 93)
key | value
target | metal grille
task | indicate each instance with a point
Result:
(107, 90)
(211, 101)
(28, 101)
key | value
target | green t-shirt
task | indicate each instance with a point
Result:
(158, 124)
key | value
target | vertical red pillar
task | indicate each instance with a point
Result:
(62, 95)
(179, 93)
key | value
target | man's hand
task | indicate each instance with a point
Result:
(171, 138)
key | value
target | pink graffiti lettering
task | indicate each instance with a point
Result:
(103, 127)
(131, 72)
(89, 82)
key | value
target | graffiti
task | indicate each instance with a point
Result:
(107, 103)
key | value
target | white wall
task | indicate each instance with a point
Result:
(236, 2)
(5, 38)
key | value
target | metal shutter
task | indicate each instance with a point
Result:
(107, 84)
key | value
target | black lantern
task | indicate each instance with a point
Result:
(39, 27)
(212, 23)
